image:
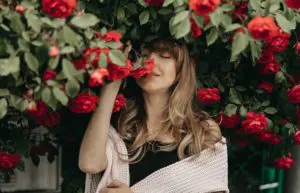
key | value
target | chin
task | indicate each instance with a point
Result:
(152, 86)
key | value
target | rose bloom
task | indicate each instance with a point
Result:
(266, 57)
(241, 10)
(50, 119)
(279, 42)
(262, 28)
(296, 137)
(254, 122)
(37, 109)
(112, 36)
(154, 3)
(144, 70)
(266, 86)
(120, 103)
(294, 94)
(83, 103)
(79, 64)
(284, 162)
(270, 68)
(97, 77)
(49, 75)
(297, 47)
(203, 7)
(228, 121)
(9, 161)
(294, 4)
(118, 72)
(58, 8)
(195, 29)
(208, 95)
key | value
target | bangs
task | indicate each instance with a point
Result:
(165, 45)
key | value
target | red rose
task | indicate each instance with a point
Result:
(79, 64)
(156, 3)
(120, 102)
(112, 36)
(297, 47)
(58, 8)
(294, 4)
(284, 162)
(294, 94)
(262, 28)
(254, 122)
(53, 51)
(274, 140)
(49, 120)
(9, 161)
(20, 8)
(41, 149)
(83, 103)
(49, 75)
(37, 109)
(203, 7)
(264, 136)
(228, 121)
(118, 72)
(266, 57)
(266, 86)
(146, 69)
(92, 55)
(278, 43)
(270, 68)
(297, 137)
(208, 95)
(195, 29)
(97, 77)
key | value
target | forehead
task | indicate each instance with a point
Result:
(163, 46)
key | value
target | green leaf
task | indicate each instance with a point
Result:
(226, 20)
(233, 96)
(53, 62)
(72, 88)
(239, 44)
(84, 21)
(284, 23)
(255, 50)
(16, 24)
(102, 61)
(33, 21)
(180, 16)
(165, 11)
(243, 111)
(4, 92)
(270, 110)
(69, 36)
(167, 2)
(255, 4)
(144, 17)
(212, 36)
(143, 3)
(46, 94)
(117, 57)
(230, 109)
(69, 70)
(114, 45)
(232, 27)
(32, 62)
(23, 45)
(67, 50)
(266, 103)
(60, 96)
(3, 107)
(227, 7)
(215, 18)
(183, 28)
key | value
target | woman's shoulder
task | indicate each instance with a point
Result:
(213, 135)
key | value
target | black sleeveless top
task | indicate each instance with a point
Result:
(151, 162)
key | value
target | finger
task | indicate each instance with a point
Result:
(116, 184)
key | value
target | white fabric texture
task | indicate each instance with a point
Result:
(206, 173)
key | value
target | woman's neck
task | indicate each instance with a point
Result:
(155, 105)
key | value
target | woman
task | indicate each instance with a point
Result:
(162, 143)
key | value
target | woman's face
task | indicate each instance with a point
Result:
(163, 74)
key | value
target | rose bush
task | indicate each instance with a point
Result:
(54, 55)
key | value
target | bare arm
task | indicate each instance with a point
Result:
(92, 154)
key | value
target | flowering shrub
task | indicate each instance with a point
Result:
(54, 53)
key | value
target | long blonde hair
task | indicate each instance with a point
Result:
(187, 125)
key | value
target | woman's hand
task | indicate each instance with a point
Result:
(116, 187)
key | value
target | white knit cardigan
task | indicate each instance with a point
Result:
(202, 174)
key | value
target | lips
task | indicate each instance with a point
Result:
(152, 75)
